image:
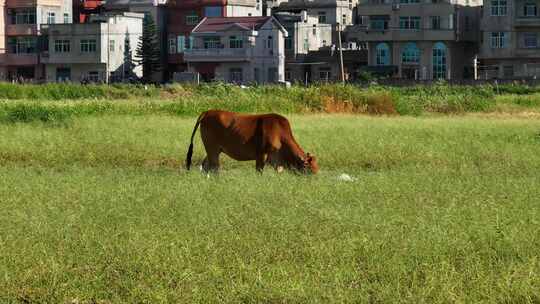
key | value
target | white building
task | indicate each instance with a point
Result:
(238, 49)
(92, 51)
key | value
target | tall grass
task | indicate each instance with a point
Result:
(54, 102)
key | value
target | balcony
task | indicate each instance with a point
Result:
(21, 30)
(21, 59)
(527, 22)
(217, 55)
(194, 4)
(362, 33)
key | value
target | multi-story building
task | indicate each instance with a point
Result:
(238, 50)
(21, 22)
(510, 43)
(419, 39)
(184, 15)
(93, 51)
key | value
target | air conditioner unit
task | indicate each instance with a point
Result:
(395, 6)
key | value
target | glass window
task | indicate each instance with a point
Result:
(378, 22)
(172, 45)
(111, 45)
(192, 18)
(408, 1)
(435, 22)
(410, 54)
(212, 11)
(325, 73)
(211, 42)
(23, 16)
(236, 42)
(180, 43)
(270, 43)
(498, 7)
(62, 46)
(498, 40)
(439, 61)
(88, 45)
(66, 18)
(530, 10)
(409, 23)
(382, 54)
(51, 18)
(530, 40)
(322, 17)
(93, 76)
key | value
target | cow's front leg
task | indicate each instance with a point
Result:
(260, 161)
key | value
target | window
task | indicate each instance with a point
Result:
(306, 44)
(344, 19)
(409, 23)
(288, 43)
(435, 22)
(410, 54)
(378, 22)
(382, 56)
(270, 42)
(314, 30)
(498, 7)
(530, 10)
(530, 40)
(189, 43)
(93, 76)
(498, 40)
(88, 45)
(235, 74)
(51, 18)
(66, 18)
(22, 45)
(322, 17)
(325, 73)
(408, 1)
(236, 42)
(180, 43)
(172, 45)
(23, 16)
(272, 74)
(192, 18)
(439, 61)
(211, 42)
(62, 46)
(287, 74)
(111, 45)
(212, 11)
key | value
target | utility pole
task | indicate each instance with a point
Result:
(340, 54)
(108, 52)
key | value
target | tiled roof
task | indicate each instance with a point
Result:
(223, 23)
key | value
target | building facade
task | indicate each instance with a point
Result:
(94, 51)
(183, 16)
(20, 42)
(238, 50)
(419, 39)
(510, 42)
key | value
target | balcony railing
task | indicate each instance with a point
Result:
(21, 59)
(219, 54)
(21, 29)
(527, 21)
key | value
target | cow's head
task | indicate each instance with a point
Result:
(310, 164)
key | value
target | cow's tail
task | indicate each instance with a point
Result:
(190, 150)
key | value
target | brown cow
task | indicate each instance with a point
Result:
(265, 138)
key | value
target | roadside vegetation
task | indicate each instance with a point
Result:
(59, 102)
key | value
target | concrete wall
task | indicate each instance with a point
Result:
(239, 11)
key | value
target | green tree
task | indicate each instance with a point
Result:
(129, 65)
(148, 52)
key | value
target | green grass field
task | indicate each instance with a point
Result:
(445, 209)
